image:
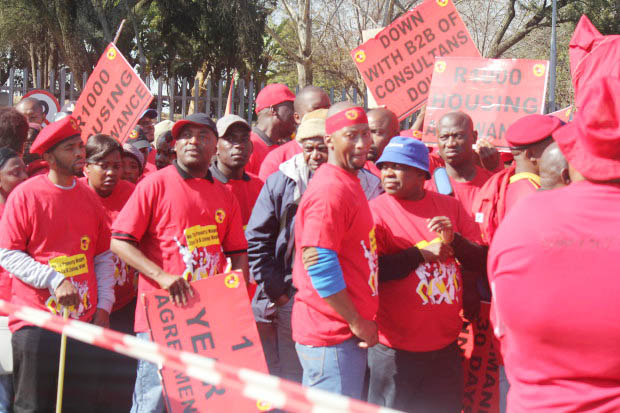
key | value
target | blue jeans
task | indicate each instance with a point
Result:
(6, 393)
(148, 392)
(338, 369)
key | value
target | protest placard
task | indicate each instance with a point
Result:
(480, 364)
(217, 323)
(494, 92)
(565, 115)
(113, 99)
(397, 64)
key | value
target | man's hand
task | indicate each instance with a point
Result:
(179, 288)
(443, 227)
(366, 331)
(282, 300)
(66, 294)
(437, 251)
(101, 318)
(488, 154)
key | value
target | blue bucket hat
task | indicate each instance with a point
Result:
(406, 151)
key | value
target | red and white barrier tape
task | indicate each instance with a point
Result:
(280, 393)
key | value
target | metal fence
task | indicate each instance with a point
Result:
(174, 98)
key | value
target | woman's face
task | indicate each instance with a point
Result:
(12, 174)
(104, 174)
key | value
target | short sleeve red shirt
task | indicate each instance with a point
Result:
(246, 190)
(465, 192)
(334, 214)
(421, 311)
(259, 153)
(553, 266)
(281, 154)
(520, 186)
(62, 228)
(184, 225)
(125, 277)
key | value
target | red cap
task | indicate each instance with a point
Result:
(531, 129)
(591, 143)
(53, 133)
(272, 95)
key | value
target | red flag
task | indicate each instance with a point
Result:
(229, 101)
(592, 55)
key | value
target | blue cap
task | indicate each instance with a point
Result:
(406, 151)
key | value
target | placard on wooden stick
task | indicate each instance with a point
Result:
(113, 99)
(397, 64)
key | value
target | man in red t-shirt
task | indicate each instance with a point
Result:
(455, 140)
(554, 269)
(309, 99)
(179, 225)
(335, 269)
(419, 234)
(275, 123)
(59, 260)
(383, 125)
(233, 152)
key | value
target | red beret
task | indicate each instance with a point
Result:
(272, 95)
(531, 129)
(53, 133)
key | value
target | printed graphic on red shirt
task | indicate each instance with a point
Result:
(71, 267)
(439, 283)
(201, 259)
(373, 261)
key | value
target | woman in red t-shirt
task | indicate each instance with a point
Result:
(12, 173)
(103, 171)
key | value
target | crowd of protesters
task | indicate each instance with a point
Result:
(364, 249)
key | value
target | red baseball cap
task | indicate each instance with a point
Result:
(54, 133)
(531, 129)
(591, 142)
(272, 95)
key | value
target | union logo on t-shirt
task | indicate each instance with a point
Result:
(203, 254)
(439, 281)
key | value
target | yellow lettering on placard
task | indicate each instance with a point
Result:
(70, 266)
(201, 236)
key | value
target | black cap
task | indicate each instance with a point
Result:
(197, 119)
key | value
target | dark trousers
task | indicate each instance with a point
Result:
(35, 372)
(416, 382)
(117, 372)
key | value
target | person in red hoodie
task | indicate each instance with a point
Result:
(553, 268)
(274, 125)
(103, 170)
(309, 99)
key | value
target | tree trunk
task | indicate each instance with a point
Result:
(33, 66)
(304, 73)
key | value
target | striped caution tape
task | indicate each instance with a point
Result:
(278, 393)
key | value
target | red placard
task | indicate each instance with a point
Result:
(494, 92)
(113, 99)
(397, 64)
(566, 114)
(217, 323)
(480, 364)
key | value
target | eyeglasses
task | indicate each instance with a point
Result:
(108, 166)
